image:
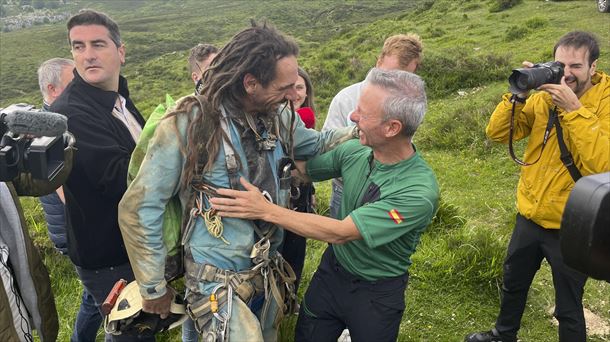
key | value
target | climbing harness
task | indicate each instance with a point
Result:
(270, 276)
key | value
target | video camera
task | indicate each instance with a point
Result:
(524, 79)
(585, 227)
(31, 141)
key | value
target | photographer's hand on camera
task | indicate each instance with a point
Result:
(563, 96)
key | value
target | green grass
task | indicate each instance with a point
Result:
(470, 48)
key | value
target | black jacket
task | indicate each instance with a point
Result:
(99, 174)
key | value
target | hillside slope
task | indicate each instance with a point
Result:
(469, 52)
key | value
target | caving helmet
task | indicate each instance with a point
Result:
(127, 318)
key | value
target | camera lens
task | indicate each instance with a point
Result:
(522, 81)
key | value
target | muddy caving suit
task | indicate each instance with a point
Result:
(235, 262)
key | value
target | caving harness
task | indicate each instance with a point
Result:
(270, 274)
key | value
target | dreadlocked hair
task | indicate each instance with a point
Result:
(254, 50)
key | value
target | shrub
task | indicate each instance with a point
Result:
(471, 7)
(536, 22)
(424, 6)
(502, 5)
(516, 32)
(435, 32)
(449, 70)
(459, 123)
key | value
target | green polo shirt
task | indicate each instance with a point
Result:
(391, 206)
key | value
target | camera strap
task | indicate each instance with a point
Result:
(566, 156)
(547, 132)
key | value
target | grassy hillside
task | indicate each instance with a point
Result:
(470, 49)
(158, 34)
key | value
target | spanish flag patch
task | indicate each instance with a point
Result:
(395, 215)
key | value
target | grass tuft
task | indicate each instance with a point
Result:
(516, 33)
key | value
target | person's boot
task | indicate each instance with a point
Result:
(488, 336)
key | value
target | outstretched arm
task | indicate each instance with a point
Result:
(251, 204)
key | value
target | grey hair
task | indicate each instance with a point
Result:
(49, 72)
(406, 101)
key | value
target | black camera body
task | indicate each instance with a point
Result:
(524, 79)
(42, 157)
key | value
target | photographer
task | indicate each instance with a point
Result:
(26, 300)
(577, 108)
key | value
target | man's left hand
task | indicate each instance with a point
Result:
(562, 95)
(161, 305)
(248, 204)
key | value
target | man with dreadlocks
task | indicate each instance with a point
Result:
(238, 286)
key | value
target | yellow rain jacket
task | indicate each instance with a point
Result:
(544, 187)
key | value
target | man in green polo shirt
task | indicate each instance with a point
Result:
(390, 195)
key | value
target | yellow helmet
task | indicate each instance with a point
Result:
(127, 317)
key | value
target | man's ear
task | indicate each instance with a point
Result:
(250, 83)
(51, 90)
(593, 68)
(394, 128)
(122, 53)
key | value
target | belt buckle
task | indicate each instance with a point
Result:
(260, 251)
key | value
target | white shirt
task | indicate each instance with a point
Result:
(342, 106)
(127, 118)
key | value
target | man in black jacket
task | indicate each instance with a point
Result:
(54, 75)
(106, 125)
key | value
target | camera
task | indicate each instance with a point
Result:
(584, 235)
(25, 148)
(524, 79)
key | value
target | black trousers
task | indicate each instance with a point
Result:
(336, 299)
(293, 251)
(529, 244)
(294, 245)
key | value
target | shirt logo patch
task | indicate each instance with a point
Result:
(395, 215)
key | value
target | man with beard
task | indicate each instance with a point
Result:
(582, 104)
(238, 286)
(391, 195)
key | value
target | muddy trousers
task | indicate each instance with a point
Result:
(336, 299)
(245, 321)
(529, 244)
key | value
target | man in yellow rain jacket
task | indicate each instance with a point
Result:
(582, 103)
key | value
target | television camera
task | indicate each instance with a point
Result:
(31, 141)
